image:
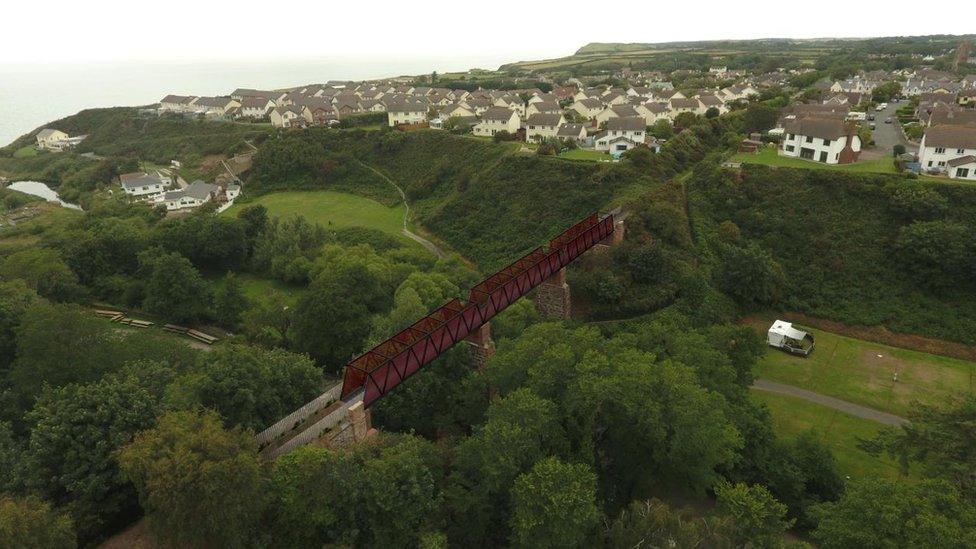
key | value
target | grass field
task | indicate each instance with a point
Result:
(331, 209)
(839, 431)
(863, 372)
(255, 287)
(770, 157)
(580, 154)
(25, 151)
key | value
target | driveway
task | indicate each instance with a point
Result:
(829, 401)
(886, 136)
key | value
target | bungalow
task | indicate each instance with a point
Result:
(194, 195)
(497, 119)
(413, 112)
(540, 126)
(51, 139)
(292, 116)
(942, 144)
(142, 185)
(827, 140)
(256, 107)
(572, 132)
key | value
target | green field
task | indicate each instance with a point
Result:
(25, 151)
(863, 372)
(839, 431)
(580, 154)
(770, 157)
(331, 209)
(255, 287)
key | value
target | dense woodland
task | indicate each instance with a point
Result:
(576, 434)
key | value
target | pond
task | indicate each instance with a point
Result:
(37, 188)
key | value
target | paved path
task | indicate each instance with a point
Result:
(830, 402)
(886, 136)
(406, 214)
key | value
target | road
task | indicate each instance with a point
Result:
(830, 402)
(886, 136)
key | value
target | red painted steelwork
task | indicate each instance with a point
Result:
(379, 370)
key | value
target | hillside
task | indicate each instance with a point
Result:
(862, 249)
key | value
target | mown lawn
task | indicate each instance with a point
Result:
(25, 151)
(580, 154)
(770, 157)
(839, 431)
(331, 209)
(863, 372)
(256, 288)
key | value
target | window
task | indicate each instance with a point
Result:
(962, 172)
(826, 142)
(939, 150)
(941, 164)
(960, 151)
(809, 139)
(790, 148)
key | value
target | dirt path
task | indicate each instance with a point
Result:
(830, 402)
(406, 214)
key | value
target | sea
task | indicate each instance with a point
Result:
(33, 94)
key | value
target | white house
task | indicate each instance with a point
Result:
(652, 112)
(543, 107)
(291, 116)
(214, 106)
(498, 119)
(587, 107)
(943, 144)
(142, 185)
(256, 107)
(622, 134)
(963, 167)
(51, 139)
(196, 194)
(827, 140)
(406, 113)
(540, 126)
(177, 103)
(679, 105)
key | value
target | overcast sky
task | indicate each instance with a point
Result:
(99, 30)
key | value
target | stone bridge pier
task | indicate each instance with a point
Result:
(553, 298)
(482, 346)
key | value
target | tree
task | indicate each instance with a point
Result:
(199, 483)
(44, 271)
(75, 431)
(15, 299)
(229, 301)
(30, 522)
(653, 523)
(331, 322)
(749, 274)
(712, 112)
(937, 254)
(877, 512)
(252, 387)
(12, 462)
(939, 439)
(757, 518)
(268, 321)
(174, 289)
(554, 505)
(759, 118)
(885, 92)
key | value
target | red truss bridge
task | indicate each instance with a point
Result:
(379, 370)
(338, 415)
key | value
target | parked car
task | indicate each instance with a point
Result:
(871, 117)
(871, 125)
(887, 120)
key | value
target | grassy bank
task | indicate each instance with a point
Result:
(770, 157)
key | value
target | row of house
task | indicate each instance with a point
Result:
(156, 189)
